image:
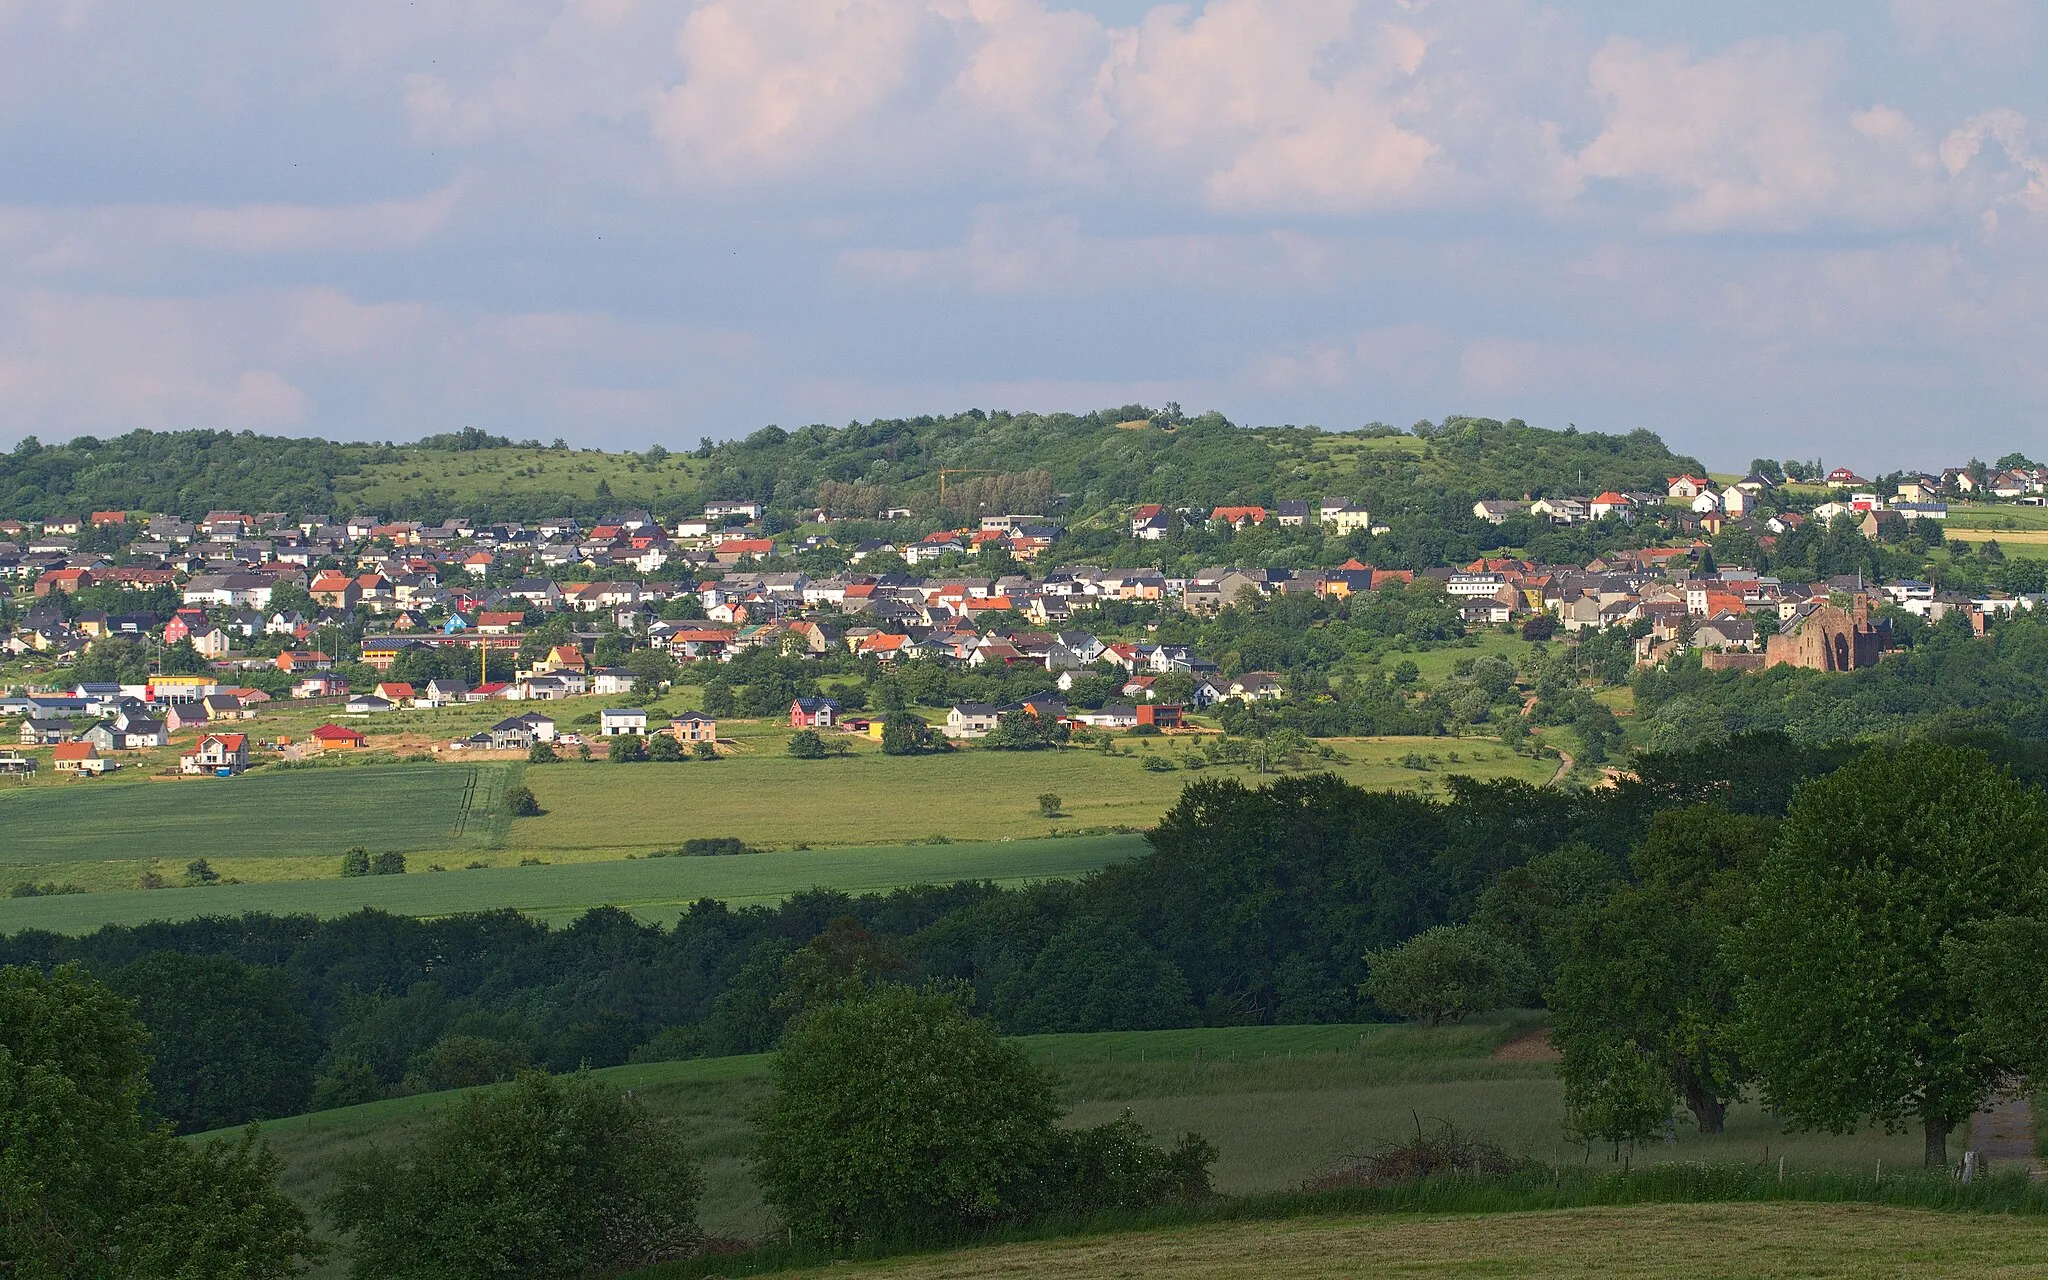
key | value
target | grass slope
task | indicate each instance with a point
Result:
(654, 889)
(1280, 1103)
(459, 478)
(1647, 1243)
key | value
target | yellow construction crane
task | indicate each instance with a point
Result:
(960, 471)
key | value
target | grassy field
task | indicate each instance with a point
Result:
(767, 797)
(277, 814)
(1659, 1242)
(466, 477)
(1280, 1103)
(411, 793)
(1995, 516)
(652, 888)
(2028, 544)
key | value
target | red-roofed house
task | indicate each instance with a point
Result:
(215, 752)
(1149, 522)
(1239, 517)
(335, 590)
(1687, 487)
(337, 737)
(1611, 503)
(302, 660)
(81, 758)
(63, 580)
(734, 550)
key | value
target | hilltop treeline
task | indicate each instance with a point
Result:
(1254, 905)
(1102, 460)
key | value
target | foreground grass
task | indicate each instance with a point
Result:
(654, 889)
(1281, 1104)
(1646, 1242)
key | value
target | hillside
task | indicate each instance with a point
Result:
(1094, 463)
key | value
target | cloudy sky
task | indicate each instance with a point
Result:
(1811, 229)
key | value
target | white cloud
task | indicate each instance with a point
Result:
(45, 240)
(1754, 138)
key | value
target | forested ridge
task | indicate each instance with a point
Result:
(1097, 462)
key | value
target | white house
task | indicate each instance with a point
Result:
(615, 722)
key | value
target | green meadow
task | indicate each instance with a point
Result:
(1281, 1104)
(652, 888)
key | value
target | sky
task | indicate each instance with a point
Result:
(1811, 230)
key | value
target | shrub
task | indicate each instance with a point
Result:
(349, 1081)
(1143, 731)
(705, 751)
(356, 862)
(805, 744)
(542, 753)
(1156, 764)
(1048, 805)
(388, 863)
(662, 748)
(198, 872)
(628, 748)
(897, 1116)
(464, 1061)
(1445, 973)
(712, 847)
(543, 1177)
(520, 802)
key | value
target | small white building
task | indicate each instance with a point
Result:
(614, 722)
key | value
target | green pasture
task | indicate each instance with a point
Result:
(1642, 1242)
(274, 813)
(1985, 515)
(652, 888)
(1281, 1104)
(869, 798)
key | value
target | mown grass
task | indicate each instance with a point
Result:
(652, 888)
(278, 813)
(1660, 1241)
(1995, 516)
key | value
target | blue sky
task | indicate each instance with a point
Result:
(1815, 229)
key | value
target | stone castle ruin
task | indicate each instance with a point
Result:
(1830, 638)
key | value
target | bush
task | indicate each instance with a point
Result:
(705, 751)
(388, 863)
(662, 748)
(520, 802)
(1156, 764)
(347, 1082)
(712, 847)
(1143, 731)
(543, 1177)
(805, 744)
(542, 753)
(1048, 805)
(464, 1061)
(897, 1116)
(356, 862)
(628, 748)
(1445, 973)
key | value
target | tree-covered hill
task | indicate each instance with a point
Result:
(1086, 465)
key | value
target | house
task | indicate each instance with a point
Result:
(1149, 523)
(1290, 513)
(39, 732)
(1843, 478)
(1611, 503)
(612, 680)
(443, 693)
(396, 691)
(971, 719)
(813, 713)
(81, 758)
(67, 580)
(1257, 686)
(1110, 717)
(338, 737)
(365, 704)
(1495, 512)
(1163, 715)
(615, 722)
(1238, 517)
(1343, 516)
(225, 706)
(14, 764)
(693, 726)
(217, 753)
(295, 660)
(733, 550)
(1686, 487)
(323, 684)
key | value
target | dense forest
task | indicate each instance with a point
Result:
(1090, 463)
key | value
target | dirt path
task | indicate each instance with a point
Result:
(2003, 1133)
(1564, 767)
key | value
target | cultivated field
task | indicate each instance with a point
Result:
(2027, 544)
(1996, 516)
(1280, 1103)
(1658, 1242)
(652, 888)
